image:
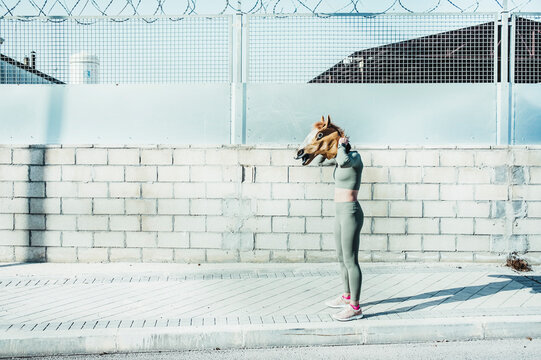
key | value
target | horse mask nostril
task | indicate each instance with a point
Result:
(300, 153)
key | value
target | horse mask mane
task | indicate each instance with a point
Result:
(322, 140)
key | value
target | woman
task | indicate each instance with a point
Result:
(348, 223)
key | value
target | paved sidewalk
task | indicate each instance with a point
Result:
(96, 308)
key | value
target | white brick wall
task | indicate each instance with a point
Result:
(189, 204)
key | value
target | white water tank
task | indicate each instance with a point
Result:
(84, 68)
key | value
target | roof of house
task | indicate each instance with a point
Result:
(29, 69)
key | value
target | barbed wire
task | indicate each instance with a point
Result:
(34, 8)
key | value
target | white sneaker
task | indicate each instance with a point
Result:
(348, 314)
(338, 302)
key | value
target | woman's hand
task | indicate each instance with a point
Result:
(343, 140)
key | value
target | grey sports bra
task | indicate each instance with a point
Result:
(348, 170)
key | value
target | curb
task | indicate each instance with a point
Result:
(262, 336)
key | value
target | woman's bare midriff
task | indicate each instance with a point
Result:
(345, 195)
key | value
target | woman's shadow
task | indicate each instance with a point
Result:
(460, 294)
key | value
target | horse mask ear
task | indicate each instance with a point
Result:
(328, 120)
(325, 122)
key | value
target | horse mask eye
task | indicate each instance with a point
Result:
(319, 136)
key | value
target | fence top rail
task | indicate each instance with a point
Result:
(395, 14)
(526, 13)
(113, 17)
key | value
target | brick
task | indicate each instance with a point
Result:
(306, 174)
(156, 223)
(171, 206)
(535, 175)
(406, 208)
(76, 239)
(456, 158)
(422, 192)
(288, 224)
(140, 239)
(7, 253)
(91, 156)
(256, 191)
(370, 208)
(108, 173)
(271, 174)
(534, 209)
(109, 239)
(60, 156)
(534, 243)
(17, 205)
(283, 158)
(92, 190)
(422, 158)
(304, 241)
(413, 256)
(327, 174)
(319, 224)
(375, 175)
(473, 243)
(29, 189)
(190, 223)
(304, 208)
(527, 157)
(76, 173)
(5, 156)
(14, 238)
(254, 157)
(206, 173)
(328, 241)
(238, 241)
(491, 158)
(61, 254)
(123, 156)
(157, 190)
(61, 189)
(45, 173)
(405, 243)
(456, 257)
(388, 158)
(141, 173)
(239, 207)
(124, 223)
(439, 242)
(327, 207)
(28, 156)
(439, 208)
(473, 209)
(76, 206)
(405, 175)
(6, 222)
(290, 191)
(173, 173)
(29, 222)
(205, 240)
(389, 192)
(491, 192)
(526, 192)
(190, 255)
(423, 226)
(92, 222)
(189, 190)
(471, 175)
(221, 256)
(205, 207)
(287, 256)
(125, 255)
(489, 226)
(456, 192)
(158, 255)
(61, 222)
(14, 173)
(6, 189)
(456, 226)
(271, 241)
(156, 157)
(389, 226)
(388, 256)
(373, 242)
(221, 156)
(439, 175)
(174, 239)
(108, 206)
(30, 254)
(189, 156)
(222, 190)
(257, 224)
(92, 255)
(255, 256)
(223, 223)
(521, 226)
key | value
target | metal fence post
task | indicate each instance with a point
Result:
(503, 131)
(238, 83)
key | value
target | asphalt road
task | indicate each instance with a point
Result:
(521, 349)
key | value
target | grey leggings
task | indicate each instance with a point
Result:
(347, 228)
